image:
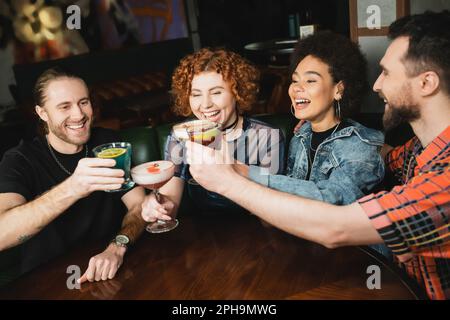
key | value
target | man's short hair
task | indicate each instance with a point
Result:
(429, 44)
(49, 75)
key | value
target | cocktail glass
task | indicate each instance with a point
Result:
(121, 153)
(204, 132)
(200, 131)
(180, 131)
(153, 175)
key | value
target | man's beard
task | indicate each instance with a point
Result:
(401, 110)
(397, 115)
(59, 132)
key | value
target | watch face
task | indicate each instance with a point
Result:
(122, 239)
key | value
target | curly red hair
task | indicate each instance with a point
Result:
(242, 76)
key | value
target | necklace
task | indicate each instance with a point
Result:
(233, 125)
(59, 163)
(310, 141)
(226, 132)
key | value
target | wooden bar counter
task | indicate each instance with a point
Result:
(220, 257)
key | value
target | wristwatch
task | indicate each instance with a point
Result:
(121, 240)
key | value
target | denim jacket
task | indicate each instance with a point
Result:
(347, 165)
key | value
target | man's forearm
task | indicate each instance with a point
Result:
(133, 225)
(242, 169)
(317, 221)
(20, 223)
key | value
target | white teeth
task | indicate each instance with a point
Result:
(76, 127)
(211, 114)
(302, 101)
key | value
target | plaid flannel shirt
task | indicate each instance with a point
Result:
(413, 218)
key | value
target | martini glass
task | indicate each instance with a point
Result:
(153, 175)
(180, 131)
(204, 132)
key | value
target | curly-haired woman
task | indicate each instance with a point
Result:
(331, 157)
(217, 85)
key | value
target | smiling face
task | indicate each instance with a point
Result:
(395, 87)
(313, 90)
(211, 98)
(68, 112)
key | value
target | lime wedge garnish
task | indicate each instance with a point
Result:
(111, 153)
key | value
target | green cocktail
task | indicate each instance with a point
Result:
(121, 153)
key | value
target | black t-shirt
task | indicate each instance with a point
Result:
(318, 137)
(30, 170)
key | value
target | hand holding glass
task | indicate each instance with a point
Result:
(121, 153)
(204, 132)
(153, 175)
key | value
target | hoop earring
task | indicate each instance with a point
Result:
(338, 109)
(292, 110)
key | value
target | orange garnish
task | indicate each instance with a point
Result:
(154, 168)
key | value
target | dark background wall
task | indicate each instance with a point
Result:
(235, 23)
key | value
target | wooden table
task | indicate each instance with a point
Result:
(233, 257)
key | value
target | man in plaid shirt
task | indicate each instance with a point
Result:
(413, 218)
